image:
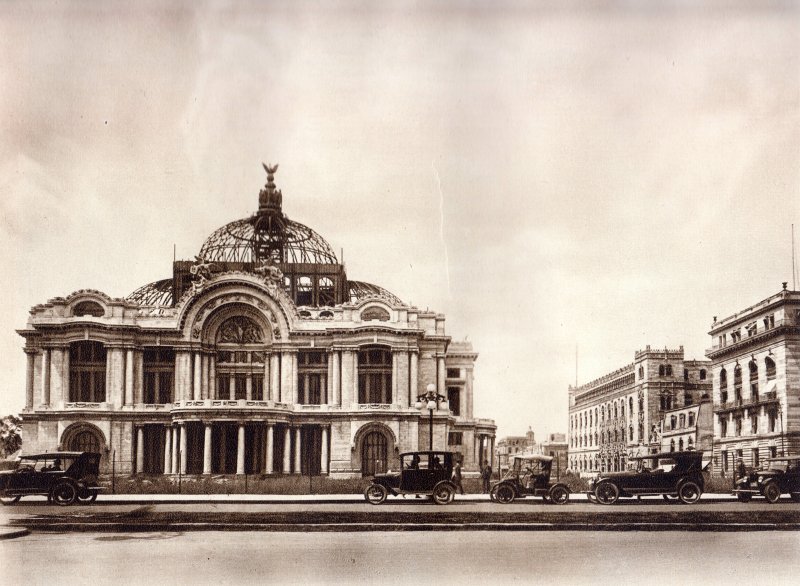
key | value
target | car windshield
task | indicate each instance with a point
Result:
(54, 464)
(778, 465)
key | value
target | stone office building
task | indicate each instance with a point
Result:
(620, 414)
(756, 379)
(261, 356)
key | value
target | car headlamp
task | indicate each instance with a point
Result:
(760, 479)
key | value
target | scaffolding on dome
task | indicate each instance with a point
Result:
(158, 293)
(360, 290)
(234, 242)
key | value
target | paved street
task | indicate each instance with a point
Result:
(400, 558)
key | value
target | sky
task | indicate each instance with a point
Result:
(561, 180)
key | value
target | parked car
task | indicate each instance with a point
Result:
(529, 475)
(421, 473)
(64, 477)
(670, 474)
(778, 476)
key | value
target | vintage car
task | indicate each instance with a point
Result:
(529, 475)
(64, 477)
(421, 473)
(778, 476)
(670, 474)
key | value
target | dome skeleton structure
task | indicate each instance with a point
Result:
(313, 274)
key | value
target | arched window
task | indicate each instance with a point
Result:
(753, 366)
(374, 375)
(88, 308)
(375, 314)
(641, 373)
(305, 291)
(240, 359)
(702, 374)
(680, 444)
(672, 445)
(374, 453)
(690, 443)
(85, 441)
(630, 405)
(630, 433)
(769, 365)
(660, 370)
(327, 295)
(668, 370)
(87, 372)
(737, 383)
(691, 419)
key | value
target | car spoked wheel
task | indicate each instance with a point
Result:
(64, 494)
(689, 493)
(559, 495)
(772, 493)
(606, 493)
(9, 500)
(443, 494)
(503, 493)
(85, 497)
(375, 494)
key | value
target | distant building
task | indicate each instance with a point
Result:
(756, 382)
(620, 414)
(513, 445)
(556, 447)
(688, 428)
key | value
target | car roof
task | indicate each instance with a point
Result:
(685, 454)
(534, 457)
(53, 455)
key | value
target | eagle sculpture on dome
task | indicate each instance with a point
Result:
(270, 169)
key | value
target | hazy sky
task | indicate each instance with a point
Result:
(606, 177)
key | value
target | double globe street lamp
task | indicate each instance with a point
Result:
(431, 401)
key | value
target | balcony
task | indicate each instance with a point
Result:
(761, 399)
(760, 334)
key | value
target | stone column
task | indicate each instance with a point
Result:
(287, 451)
(248, 388)
(347, 379)
(207, 448)
(45, 391)
(198, 376)
(286, 378)
(395, 376)
(268, 456)
(324, 463)
(175, 447)
(212, 377)
(297, 450)
(139, 449)
(337, 378)
(240, 450)
(203, 376)
(31, 358)
(329, 381)
(56, 375)
(129, 377)
(183, 363)
(440, 372)
(275, 376)
(138, 385)
(402, 380)
(355, 377)
(267, 381)
(64, 376)
(414, 377)
(294, 385)
(183, 448)
(167, 449)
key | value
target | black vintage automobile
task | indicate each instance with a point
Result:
(778, 476)
(422, 473)
(529, 475)
(670, 474)
(64, 477)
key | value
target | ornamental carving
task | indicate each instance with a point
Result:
(240, 330)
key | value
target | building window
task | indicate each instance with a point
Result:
(680, 445)
(240, 359)
(754, 455)
(88, 308)
(85, 441)
(374, 375)
(689, 443)
(751, 329)
(159, 374)
(682, 420)
(753, 380)
(687, 399)
(723, 340)
(305, 291)
(724, 462)
(736, 336)
(641, 373)
(772, 415)
(754, 423)
(769, 322)
(672, 445)
(737, 426)
(326, 292)
(673, 422)
(87, 372)
(454, 399)
(455, 438)
(312, 377)
(375, 314)
(769, 365)
(702, 374)
(773, 451)
(691, 419)
(723, 386)
(453, 373)
(723, 425)
(737, 384)
(630, 433)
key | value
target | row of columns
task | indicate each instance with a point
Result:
(175, 457)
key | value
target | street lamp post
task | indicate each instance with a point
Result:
(431, 401)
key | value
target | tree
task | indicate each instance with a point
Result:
(10, 435)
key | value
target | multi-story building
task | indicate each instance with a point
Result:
(619, 414)
(556, 447)
(515, 444)
(689, 428)
(261, 356)
(756, 382)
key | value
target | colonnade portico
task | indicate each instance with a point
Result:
(177, 454)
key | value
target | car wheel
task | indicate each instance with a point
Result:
(504, 494)
(64, 494)
(689, 492)
(606, 493)
(796, 497)
(375, 494)
(744, 497)
(443, 494)
(10, 500)
(772, 493)
(85, 497)
(559, 495)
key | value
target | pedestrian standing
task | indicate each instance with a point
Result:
(457, 477)
(486, 475)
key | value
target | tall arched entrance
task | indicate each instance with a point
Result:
(374, 454)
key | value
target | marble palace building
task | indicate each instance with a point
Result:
(260, 356)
